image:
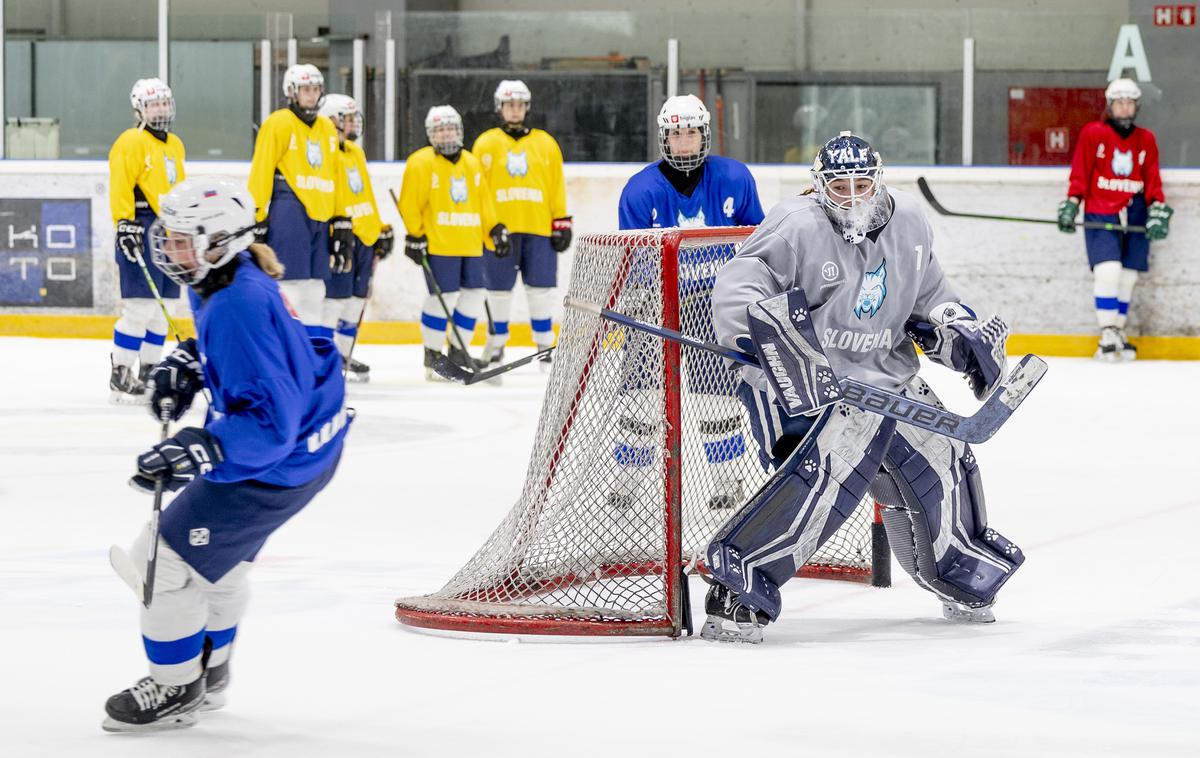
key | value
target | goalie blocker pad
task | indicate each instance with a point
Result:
(786, 343)
(806, 500)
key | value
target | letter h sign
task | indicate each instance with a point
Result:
(1175, 15)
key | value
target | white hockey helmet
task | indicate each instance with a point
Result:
(343, 111)
(299, 75)
(512, 91)
(684, 112)
(202, 224)
(444, 121)
(153, 102)
(1122, 89)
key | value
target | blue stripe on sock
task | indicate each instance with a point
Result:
(500, 327)
(127, 341)
(725, 450)
(319, 331)
(1107, 304)
(348, 328)
(1122, 308)
(430, 321)
(174, 651)
(221, 637)
(639, 457)
(463, 321)
(154, 339)
(541, 324)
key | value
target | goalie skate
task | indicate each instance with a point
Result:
(151, 707)
(730, 621)
(961, 613)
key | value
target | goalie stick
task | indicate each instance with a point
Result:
(941, 209)
(974, 429)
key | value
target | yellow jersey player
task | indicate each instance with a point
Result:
(293, 179)
(144, 164)
(346, 292)
(524, 168)
(449, 218)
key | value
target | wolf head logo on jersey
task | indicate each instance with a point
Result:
(690, 222)
(458, 189)
(1122, 162)
(171, 174)
(354, 180)
(312, 151)
(517, 163)
(872, 292)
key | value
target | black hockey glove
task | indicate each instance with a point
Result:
(176, 378)
(130, 236)
(962, 343)
(260, 231)
(1159, 222)
(177, 460)
(385, 243)
(416, 248)
(341, 244)
(560, 234)
(1067, 211)
(500, 241)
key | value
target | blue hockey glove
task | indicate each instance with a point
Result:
(129, 239)
(1159, 221)
(955, 339)
(177, 460)
(177, 378)
(1067, 211)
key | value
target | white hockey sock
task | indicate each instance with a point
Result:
(541, 309)
(500, 304)
(130, 330)
(331, 313)
(1125, 294)
(467, 311)
(433, 324)
(156, 334)
(1105, 287)
(307, 298)
(347, 324)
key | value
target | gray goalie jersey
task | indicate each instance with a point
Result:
(860, 296)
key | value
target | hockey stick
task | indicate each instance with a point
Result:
(361, 313)
(974, 429)
(455, 373)
(941, 209)
(154, 290)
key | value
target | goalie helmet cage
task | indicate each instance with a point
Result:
(642, 451)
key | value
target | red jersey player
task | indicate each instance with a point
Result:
(1114, 172)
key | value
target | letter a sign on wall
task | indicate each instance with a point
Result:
(1129, 52)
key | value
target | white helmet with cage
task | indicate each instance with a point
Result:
(298, 76)
(1122, 89)
(153, 102)
(202, 224)
(444, 127)
(343, 111)
(684, 112)
(512, 91)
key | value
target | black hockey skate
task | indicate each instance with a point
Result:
(463, 359)
(357, 371)
(727, 495)
(216, 679)
(126, 388)
(149, 707)
(144, 372)
(730, 621)
(431, 357)
(1128, 349)
(1111, 344)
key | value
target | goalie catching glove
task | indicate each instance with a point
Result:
(178, 460)
(956, 339)
(783, 338)
(177, 379)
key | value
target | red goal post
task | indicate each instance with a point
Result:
(642, 452)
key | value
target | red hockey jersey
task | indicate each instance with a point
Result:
(1108, 170)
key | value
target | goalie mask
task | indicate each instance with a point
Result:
(202, 224)
(300, 75)
(153, 103)
(444, 127)
(343, 111)
(1122, 89)
(683, 132)
(848, 180)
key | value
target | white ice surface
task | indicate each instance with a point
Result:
(1096, 651)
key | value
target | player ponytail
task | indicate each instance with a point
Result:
(265, 259)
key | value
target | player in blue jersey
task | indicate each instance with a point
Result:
(272, 440)
(688, 188)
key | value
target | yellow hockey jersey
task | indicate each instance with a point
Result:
(526, 177)
(355, 196)
(140, 161)
(447, 202)
(305, 155)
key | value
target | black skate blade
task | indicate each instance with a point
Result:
(176, 721)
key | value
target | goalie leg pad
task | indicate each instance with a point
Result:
(803, 503)
(936, 518)
(791, 355)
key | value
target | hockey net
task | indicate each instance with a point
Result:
(642, 452)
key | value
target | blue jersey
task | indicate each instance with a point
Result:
(725, 196)
(277, 394)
